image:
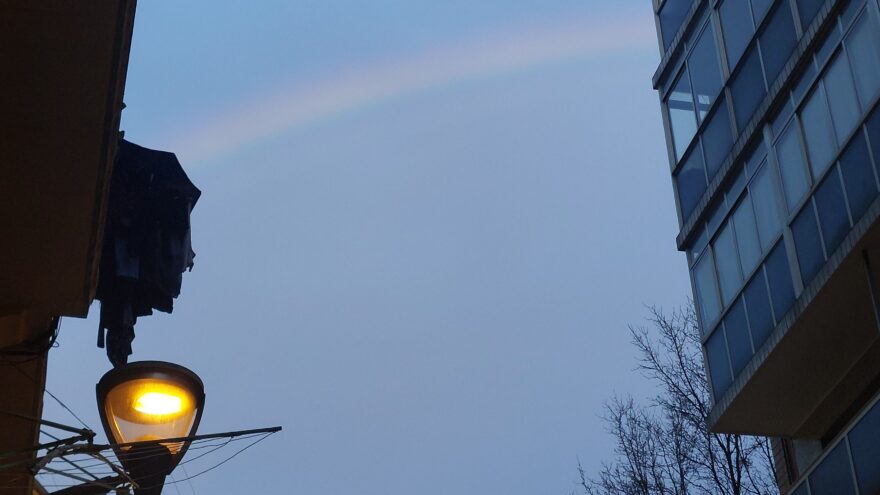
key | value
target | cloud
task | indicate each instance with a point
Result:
(302, 104)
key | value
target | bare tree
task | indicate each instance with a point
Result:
(664, 447)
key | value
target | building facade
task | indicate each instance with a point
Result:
(773, 136)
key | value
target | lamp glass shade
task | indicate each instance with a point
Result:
(150, 401)
(150, 409)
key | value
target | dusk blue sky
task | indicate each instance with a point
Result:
(424, 229)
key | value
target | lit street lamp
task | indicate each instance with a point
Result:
(143, 403)
(150, 411)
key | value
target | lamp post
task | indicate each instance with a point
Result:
(143, 403)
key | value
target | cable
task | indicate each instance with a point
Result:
(46, 390)
(224, 461)
(188, 482)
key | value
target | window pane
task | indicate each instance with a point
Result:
(873, 126)
(747, 89)
(765, 198)
(804, 82)
(719, 366)
(717, 139)
(738, 341)
(701, 240)
(736, 187)
(691, 183)
(832, 212)
(707, 293)
(806, 242)
(858, 176)
(845, 109)
(705, 71)
(791, 166)
(747, 235)
(729, 275)
(716, 215)
(681, 114)
(736, 22)
(833, 476)
(758, 304)
(755, 156)
(671, 17)
(783, 115)
(817, 131)
(779, 280)
(777, 41)
(864, 441)
(808, 10)
(850, 11)
(759, 8)
(829, 44)
(863, 47)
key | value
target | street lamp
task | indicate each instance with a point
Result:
(143, 403)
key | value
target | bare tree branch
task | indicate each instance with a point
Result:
(664, 447)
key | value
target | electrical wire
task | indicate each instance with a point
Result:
(77, 462)
(47, 391)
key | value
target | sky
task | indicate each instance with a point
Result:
(424, 230)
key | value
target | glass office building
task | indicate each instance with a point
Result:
(773, 135)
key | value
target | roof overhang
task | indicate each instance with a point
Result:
(64, 66)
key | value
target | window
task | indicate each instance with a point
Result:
(779, 280)
(849, 11)
(802, 490)
(845, 109)
(719, 366)
(817, 131)
(717, 139)
(833, 476)
(705, 71)
(829, 45)
(864, 440)
(807, 243)
(718, 212)
(782, 116)
(808, 10)
(873, 126)
(747, 235)
(681, 114)
(804, 81)
(700, 242)
(707, 293)
(759, 8)
(691, 181)
(738, 341)
(672, 15)
(756, 155)
(777, 41)
(863, 47)
(747, 88)
(831, 207)
(736, 187)
(736, 22)
(758, 304)
(791, 166)
(858, 176)
(729, 275)
(767, 212)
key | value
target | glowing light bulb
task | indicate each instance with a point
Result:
(158, 403)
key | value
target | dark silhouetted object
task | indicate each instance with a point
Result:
(147, 243)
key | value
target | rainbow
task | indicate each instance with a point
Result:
(302, 104)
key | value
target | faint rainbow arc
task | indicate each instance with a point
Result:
(271, 114)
